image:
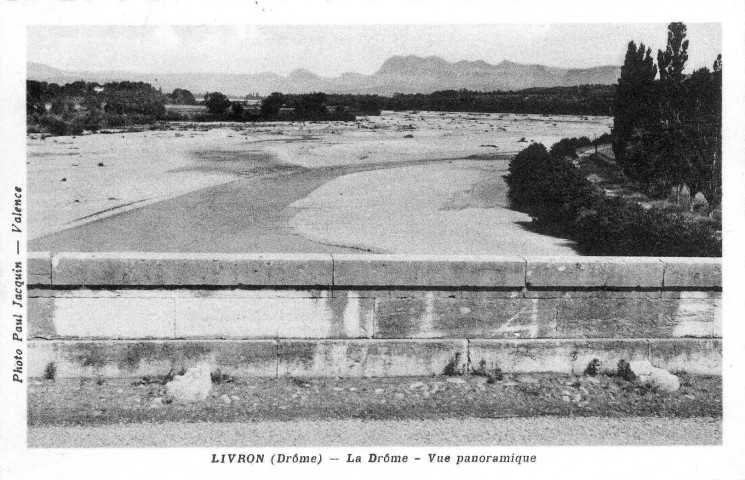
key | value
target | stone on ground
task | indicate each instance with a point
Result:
(193, 386)
(700, 204)
(660, 378)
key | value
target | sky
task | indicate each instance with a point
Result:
(333, 49)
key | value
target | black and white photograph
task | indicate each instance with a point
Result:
(466, 241)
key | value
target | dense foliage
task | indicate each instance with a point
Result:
(553, 191)
(216, 103)
(580, 100)
(74, 107)
(667, 131)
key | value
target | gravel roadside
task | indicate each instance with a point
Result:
(448, 432)
(115, 401)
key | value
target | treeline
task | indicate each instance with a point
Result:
(580, 100)
(667, 131)
(561, 201)
(276, 107)
(74, 107)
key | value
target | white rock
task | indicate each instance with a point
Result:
(658, 377)
(225, 399)
(641, 367)
(700, 204)
(456, 380)
(664, 380)
(194, 385)
(416, 385)
(436, 387)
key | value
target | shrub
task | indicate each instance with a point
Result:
(593, 368)
(555, 193)
(602, 139)
(216, 103)
(623, 370)
(551, 190)
(219, 377)
(76, 125)
(53, 124)
(494, 375)
(50, 371)
(523, 173)
(618, 227)
(453, 368)
(567, 147)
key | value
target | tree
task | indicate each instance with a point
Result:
(676, 169)
(181, 96)
(271, 105)
(216, 103)
(311, 106)
(236, 108)
(672, 61)
(718, 63)
(633, 105)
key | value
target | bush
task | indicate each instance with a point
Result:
(216, 103)
(624, 371)
(494, 375)
(560, 200)
(593, 368)
(551, 190)
(53, 124)
(567, 147)
(50, 371)
(522, 175)
(602, 139)
(76, 126)
(454, 367)
(618, 227)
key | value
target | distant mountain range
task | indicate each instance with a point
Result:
(402, 74)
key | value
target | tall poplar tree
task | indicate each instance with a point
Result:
(633, 108)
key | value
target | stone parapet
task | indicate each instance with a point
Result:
(369, 315)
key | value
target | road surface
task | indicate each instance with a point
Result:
(445, 432)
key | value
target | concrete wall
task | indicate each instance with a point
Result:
(132, 314)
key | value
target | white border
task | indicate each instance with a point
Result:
(728, 461)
